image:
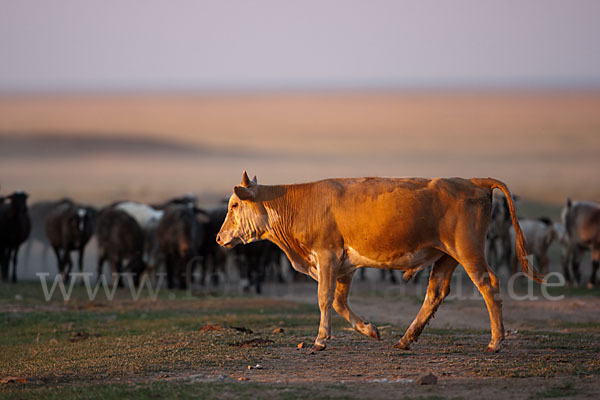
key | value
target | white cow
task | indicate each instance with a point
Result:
(539, 235)
(148, 219)
(146, 216)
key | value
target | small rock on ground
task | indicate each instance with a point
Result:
(427, 379)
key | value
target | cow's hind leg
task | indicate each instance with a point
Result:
(101, 260)
(340, 304)
(15, 259)
(487, 284)
(4, 264)
(59, 260)
(575, 261)
(595, 265)
(564, 260)
(68, 263)
(437, 290)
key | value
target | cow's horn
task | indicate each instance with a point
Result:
(245, 179)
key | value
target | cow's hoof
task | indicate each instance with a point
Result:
(316, 347)
(408, 275)
(402, 345)
(492, 349)
(374, 332)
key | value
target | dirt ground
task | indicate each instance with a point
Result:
(208, 345)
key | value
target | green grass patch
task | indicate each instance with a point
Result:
(178, 390)
(566, 388)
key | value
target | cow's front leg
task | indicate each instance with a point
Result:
(575, 260)
(564, 260)
(340, 304)
(326, 288)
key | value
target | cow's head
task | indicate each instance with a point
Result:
(78, 222)
(19, 201)
(247, 219)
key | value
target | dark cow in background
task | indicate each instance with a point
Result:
(121, 243)
(497, 243)
(563, 241)
(14, 230)
(148, 219)
(273, 265)
(188, 200)
(180, 234)
(214, 257)
(39, 213)
(254, 261)
(581, 221)
(69, 227)
(384, 273)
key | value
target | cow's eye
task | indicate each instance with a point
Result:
(234, 205)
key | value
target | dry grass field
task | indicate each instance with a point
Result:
(545, 145)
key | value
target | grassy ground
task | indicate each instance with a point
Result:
(158, 348)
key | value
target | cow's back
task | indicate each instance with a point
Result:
(392, 216)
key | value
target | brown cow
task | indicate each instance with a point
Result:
(330, 228)
(581, 220)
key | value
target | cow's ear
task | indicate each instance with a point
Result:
(243, 193)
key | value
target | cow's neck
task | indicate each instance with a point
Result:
(289, 207)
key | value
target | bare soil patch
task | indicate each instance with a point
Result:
(240, 347)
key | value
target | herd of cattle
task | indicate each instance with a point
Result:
(134, 238)
(179, 237)
(577, 233)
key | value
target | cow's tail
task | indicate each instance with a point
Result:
(520, 242)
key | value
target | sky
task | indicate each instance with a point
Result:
(108, 45)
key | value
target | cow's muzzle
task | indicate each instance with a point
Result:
(225, 242)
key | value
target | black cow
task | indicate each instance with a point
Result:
(187, 200)
(120, 240)
(497, 242)
(14, 230)
(214, 257)
(69, 228)
(38, 214)
(180, 233)
(254, 259)
(382, 273)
